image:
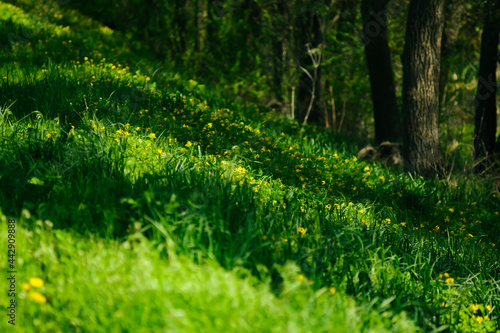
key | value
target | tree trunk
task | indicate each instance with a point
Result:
(421, 64)
(485, 101)
(201, 22)
(454, 11)
(378, 59)
(309, 32)
(280, 34)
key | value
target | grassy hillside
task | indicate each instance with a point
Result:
(144, 201)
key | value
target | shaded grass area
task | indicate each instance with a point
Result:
(107, 155)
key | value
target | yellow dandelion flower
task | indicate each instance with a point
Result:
(152, 135)
(302, 230)
(488, 307)
(301, 277)
(367, 168)
(189, 144)
(26, 286)
(160, 151)
(451, 210)
(37, 297)
(479, 319)
(36, 282)
(449, 280)
(447, 219)
(332, 290)
(474, 307)
(381, 178)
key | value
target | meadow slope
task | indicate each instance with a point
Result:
(147, 201)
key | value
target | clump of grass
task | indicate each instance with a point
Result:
(235, 217)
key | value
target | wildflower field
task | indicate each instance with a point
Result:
(145, 201)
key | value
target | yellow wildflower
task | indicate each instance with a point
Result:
(36, 282)
(474, 307)
(37, 297)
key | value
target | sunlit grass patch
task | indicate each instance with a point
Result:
(159, 200)
(131, 287)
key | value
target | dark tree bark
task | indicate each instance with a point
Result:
(421, 63)
(378, 59)
(201, 22)
(309, 33)
(280, 26)
(454, 11)
(485, 101)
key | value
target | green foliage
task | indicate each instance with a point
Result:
(146, 201)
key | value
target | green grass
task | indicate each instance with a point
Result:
(147, 202)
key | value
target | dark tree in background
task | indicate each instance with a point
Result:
(454, 14)
(485, 101)
(421, 64)
(308, 36)
(280, 14)
(378, 59)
